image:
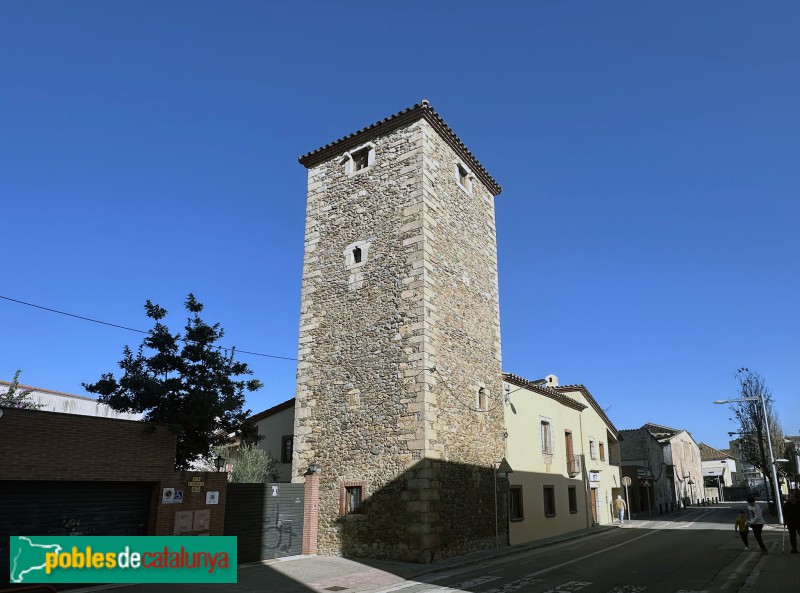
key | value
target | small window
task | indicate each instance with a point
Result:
(592, 449)
(352, 498)
(482, 400)
(464, 177)
(546, 436)
(356, 254)
(287, 443)
(549, 496)
(573, 499)
(361, 159)
(602, 452)
(515, 504)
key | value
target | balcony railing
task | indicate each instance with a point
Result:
(573, 465)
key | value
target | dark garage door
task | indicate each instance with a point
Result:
(267, 520)
(71, 508)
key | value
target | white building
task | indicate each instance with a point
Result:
(67, 403)
(275, 426)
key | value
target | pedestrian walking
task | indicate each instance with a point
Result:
(756, 520)
(742, 528)
(620, 505)
(791, 517)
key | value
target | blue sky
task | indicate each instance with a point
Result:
(648, 154)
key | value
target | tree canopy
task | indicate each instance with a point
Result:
(185, 381)
(753, 425)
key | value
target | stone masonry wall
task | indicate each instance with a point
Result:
(370, 409)
(463, 331)
(361, 338)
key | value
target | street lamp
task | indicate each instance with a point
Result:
(796, 461)
(775, 486)
(500, 477)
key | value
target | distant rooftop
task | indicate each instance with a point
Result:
(68, 403)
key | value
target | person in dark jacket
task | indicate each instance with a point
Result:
(791, 517)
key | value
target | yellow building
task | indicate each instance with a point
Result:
(565, 456)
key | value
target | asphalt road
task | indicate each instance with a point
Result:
(697, 552)
(694, 551)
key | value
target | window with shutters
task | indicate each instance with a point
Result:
(546, 434)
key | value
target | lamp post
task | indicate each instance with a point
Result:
(219, 462)
(796, 481)
(500, 477)
(775, 486)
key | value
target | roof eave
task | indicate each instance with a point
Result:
(406, 117)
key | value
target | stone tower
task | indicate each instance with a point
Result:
(399, 380)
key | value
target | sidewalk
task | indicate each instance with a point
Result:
(776, 572)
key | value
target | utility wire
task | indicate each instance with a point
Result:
(83, 318)
(139, 331)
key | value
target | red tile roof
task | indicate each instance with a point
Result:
(585, 392)
(421, 110)
(545, 391)
(289, 403)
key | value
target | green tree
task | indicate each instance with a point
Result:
(14, 397)
(753, 425)
(248, 463)
(184, 381)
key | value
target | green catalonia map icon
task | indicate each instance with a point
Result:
(28, 558)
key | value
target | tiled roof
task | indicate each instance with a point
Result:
(422, 110)
(545, 391)
(664, 434)
(708, 453)
(289, 403)
(585, 392)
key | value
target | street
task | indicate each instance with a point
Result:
(690, 551)
(696, 551)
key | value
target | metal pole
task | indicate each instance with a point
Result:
(496, 531)
(777, 488)
(627, 504)
(797, 464)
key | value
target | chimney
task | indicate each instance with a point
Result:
(552, 381)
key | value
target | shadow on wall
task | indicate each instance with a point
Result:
(434, 510)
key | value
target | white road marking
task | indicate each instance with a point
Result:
(568, 587)
(474, 582)
(529, 579)
(603, 551)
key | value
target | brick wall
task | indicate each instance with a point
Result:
(52, 446)
(162, 516)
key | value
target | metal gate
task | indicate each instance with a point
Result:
(267, 520)
(71, 508)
